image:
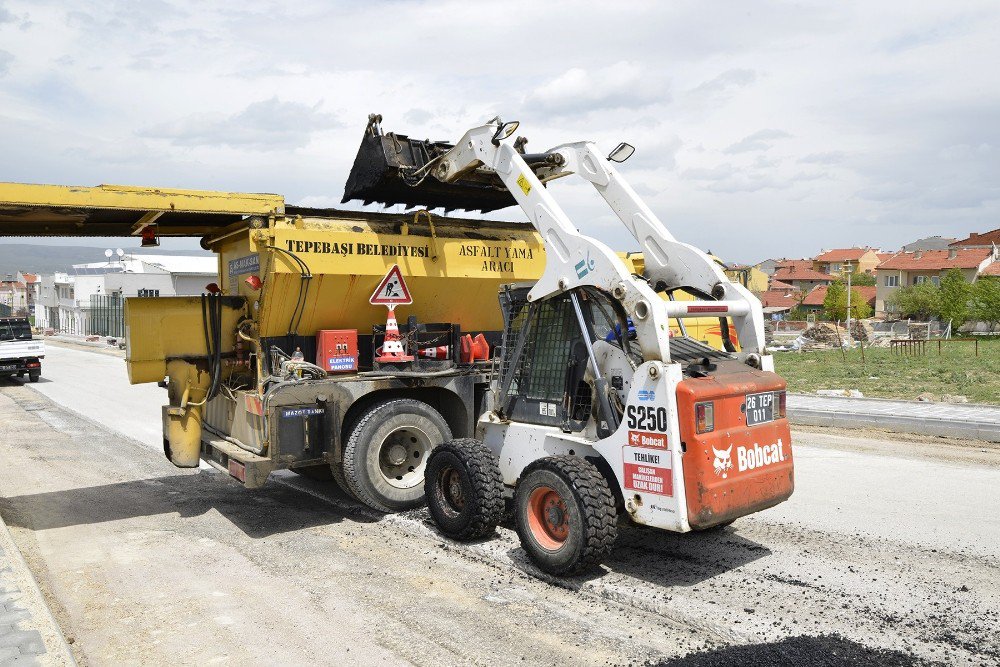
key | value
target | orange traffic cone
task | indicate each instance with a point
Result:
(438, 352)
(392, 350)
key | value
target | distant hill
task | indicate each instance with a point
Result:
(32, 258)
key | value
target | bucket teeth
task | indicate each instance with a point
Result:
(383, 169)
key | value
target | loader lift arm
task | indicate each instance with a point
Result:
(575, 259)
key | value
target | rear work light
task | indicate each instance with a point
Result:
(781, 404)
(704, 417)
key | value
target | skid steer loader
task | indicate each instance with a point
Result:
(594, 413)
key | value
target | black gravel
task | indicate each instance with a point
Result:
(801, 651)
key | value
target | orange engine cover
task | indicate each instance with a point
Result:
(735, 469)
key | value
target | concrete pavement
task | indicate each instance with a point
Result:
(964, 421)
(29, 635)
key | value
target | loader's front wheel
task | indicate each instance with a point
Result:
(387, 451)
(464, 489)
(565, 514)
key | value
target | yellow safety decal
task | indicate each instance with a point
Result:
(525, 185)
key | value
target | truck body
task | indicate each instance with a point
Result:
(20, 353)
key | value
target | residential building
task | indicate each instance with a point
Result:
(800, 274)
(750, 277)
(769, 265)
(913, 268)
(777, 285)
(31, 284)
(14, 297)
(89, 299)
(929, 243)
(779, 302)
(836, 262)
(984, 240)
(813, 301)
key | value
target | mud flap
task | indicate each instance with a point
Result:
(389, 170)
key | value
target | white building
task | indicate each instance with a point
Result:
(89, 299)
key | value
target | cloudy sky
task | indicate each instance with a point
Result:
(762, 129)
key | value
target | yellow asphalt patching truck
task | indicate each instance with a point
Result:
(236, 399)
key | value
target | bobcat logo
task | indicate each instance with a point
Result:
(723, 461)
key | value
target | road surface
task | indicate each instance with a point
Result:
(891, 544)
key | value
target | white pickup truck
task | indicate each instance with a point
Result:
(20, 355)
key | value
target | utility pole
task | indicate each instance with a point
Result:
(847, 265)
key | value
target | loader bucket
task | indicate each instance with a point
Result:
(386, 171)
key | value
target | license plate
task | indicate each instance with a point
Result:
(760, 408)
(8, 368)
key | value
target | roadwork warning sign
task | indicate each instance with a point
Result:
(392, 291)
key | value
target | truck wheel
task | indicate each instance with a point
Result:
(565, 514)
(33, 376)
(464, 489)
(385, 456)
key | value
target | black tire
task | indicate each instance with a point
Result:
(574, 529)
(387, 451)
(464, 489)
(337, 471)
(320, 473)
(33, 377)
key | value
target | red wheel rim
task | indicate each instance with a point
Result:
(548, 519)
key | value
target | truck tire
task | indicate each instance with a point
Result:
(464, 489)
(565, 514)
(387, 451)
(337, 470)
(34, 375)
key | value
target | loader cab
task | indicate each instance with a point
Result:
(546, 377)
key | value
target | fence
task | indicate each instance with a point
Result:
(106, 315)
(899, 330)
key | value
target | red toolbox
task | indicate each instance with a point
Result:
(337, 350)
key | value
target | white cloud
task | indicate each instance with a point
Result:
(6, 58)
(880, 120)
(758, 141)
(623, 85)
(269, 124)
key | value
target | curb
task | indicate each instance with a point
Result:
(897, 423)
(40, 619)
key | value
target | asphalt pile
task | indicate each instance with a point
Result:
(801, 651)
(862, 331)
(823, 335)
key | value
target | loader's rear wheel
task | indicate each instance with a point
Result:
(565, 514)
(464, 489)
(387, 451)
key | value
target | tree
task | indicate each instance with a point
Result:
(921, 301)
(954, 298)
(860, 309)
(861, 280)
(835, 303)
(986, 301)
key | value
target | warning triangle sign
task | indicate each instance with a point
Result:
(392, 291)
